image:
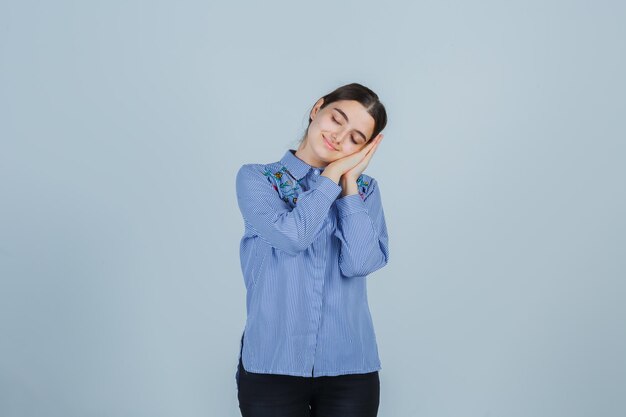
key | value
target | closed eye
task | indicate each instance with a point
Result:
(351, 137)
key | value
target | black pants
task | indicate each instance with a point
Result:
(269, 395)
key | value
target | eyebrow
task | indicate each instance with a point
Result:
(348, 120)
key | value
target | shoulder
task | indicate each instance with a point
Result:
(252, 175)
(259, 171)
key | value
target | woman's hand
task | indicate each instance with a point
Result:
(353, 164)
(352, 174)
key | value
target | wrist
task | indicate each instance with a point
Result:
(335, 176)
(348, 186)
(348, 179)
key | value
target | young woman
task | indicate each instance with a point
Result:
(314, 230)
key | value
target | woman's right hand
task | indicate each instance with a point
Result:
(337, 168)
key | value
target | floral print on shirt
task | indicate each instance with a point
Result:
(362, 184)
(289, 189)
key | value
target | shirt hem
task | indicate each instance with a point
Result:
(317, 373)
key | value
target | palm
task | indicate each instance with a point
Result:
(354, 172)
(357, 170)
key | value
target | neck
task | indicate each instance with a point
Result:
(305, 154)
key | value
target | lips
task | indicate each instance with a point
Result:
(328, 145)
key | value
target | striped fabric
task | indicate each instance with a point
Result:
(305, 255)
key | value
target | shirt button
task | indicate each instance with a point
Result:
(316, 172)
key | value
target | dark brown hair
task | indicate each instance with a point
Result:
(363, 95)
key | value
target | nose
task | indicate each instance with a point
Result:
(334, 137)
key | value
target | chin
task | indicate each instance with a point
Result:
(327, 155)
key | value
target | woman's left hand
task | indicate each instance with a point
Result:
(353, 174)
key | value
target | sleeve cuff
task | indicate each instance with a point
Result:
(350, 204)
(328, 187)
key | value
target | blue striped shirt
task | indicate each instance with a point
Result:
(305, 255)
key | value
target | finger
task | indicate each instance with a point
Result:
(362, 154)
(375, 145)
(369, 146)
(366, 159)
(376, 140)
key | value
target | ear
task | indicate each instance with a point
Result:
(316, 108)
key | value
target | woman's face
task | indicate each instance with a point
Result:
(338, 130)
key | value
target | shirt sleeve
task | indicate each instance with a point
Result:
(362, 231)
(291, 230)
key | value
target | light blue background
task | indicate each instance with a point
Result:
(122, 125)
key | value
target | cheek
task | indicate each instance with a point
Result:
(327, 126)
(352, 148)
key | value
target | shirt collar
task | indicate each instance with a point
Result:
(296, 166)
